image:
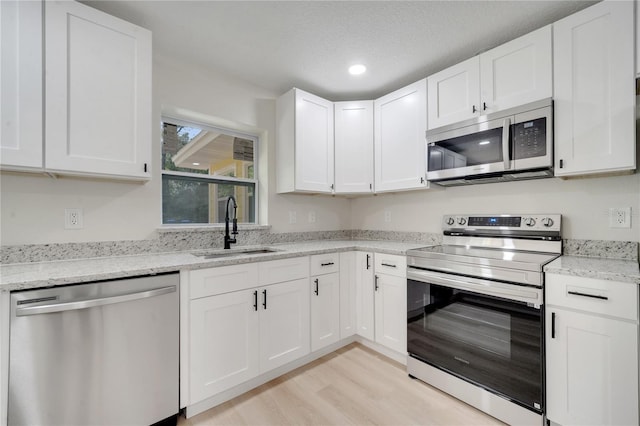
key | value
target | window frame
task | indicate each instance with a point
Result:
(209, 178)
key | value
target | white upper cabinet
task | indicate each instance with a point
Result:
(21, 85)
(400, 123)
(98, 93)
(354, 147)
(515, 73)
(454, 93)
(594, 90)
(304, 143)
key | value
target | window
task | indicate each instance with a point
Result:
(202, 166)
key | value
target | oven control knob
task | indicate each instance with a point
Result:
(450, 221)
(462, 221)
(530, 221)
(548, 222)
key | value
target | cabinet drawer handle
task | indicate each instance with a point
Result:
(327, 264)
(264, 299)
(316, 290)
(553, 325)
(594, 296)
(375, 285)
(389, 265)
(255, 300)
(368, 265)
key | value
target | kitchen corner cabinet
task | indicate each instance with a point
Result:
(21, 85)
(512, 74)
(353, 123)
(400, 120)
(98, 93)
(365, 295)
(325, 300)
(304, 143)
(390, 285)
(594, 90)
(348, 317)
(591, 351)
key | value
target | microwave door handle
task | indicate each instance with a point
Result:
(506, 128)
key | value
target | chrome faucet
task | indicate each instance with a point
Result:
(227, 238)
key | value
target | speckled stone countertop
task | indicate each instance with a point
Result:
(590, 267)
(21, 276)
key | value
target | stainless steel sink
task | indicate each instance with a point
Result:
(237, 252)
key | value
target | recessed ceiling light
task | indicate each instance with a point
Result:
(357, 69)
(196, 164)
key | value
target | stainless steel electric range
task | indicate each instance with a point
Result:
(475, 305)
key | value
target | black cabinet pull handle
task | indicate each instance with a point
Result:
(473, 109)
(316, 290)
(376, 283)
(561, 163)
(553, 325)
(368, 265)
(264, 299)
(389, 265)
(327, 264)
(594, 296)
(255, 300)
(484, 106)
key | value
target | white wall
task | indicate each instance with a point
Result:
(32, 206)
(584, 204)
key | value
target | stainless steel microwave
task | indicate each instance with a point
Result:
(514, 144)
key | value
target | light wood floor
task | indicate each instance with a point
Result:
(352, 386)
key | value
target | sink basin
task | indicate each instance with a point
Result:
(237, 252)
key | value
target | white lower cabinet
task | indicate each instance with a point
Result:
(390, 311)
(365, 299)
(348, 317)
(325, 310)
(235, 336)
(591, 351)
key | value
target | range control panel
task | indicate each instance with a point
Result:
(538, 222)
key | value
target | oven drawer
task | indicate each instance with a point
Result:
(390, 264)
(592, 295)
(325, 263)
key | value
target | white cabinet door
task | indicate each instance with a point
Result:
(391, 312)
(400, 150)
(304, 143)
(517, 72)
(454, 93)
(284, 323)
(354, 147)
(594, 90)
(325, 310)
(21, 85)
(365, 299)
(98, 93)
(592, 369)
(348, 318)
(224, 348)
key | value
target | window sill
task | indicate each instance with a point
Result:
(213, 227)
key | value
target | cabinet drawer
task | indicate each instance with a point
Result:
(391, 264)
(593, 295)
(212, 281)
(325, 263)
(278, 271)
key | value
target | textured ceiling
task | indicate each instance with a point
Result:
(282, 44)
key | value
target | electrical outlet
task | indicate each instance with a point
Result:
(620, 217)
(292, 217)
(387, 215)
(312, 217)
(73, 219)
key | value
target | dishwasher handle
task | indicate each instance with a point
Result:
(92, 303)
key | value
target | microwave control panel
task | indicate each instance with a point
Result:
(530, 138)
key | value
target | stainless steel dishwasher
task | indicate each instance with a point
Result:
(103, 353)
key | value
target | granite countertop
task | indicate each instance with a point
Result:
(589, 267)
(21, 276)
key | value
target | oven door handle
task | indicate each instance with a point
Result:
(516, 292)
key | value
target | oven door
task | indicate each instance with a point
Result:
(484, 332)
